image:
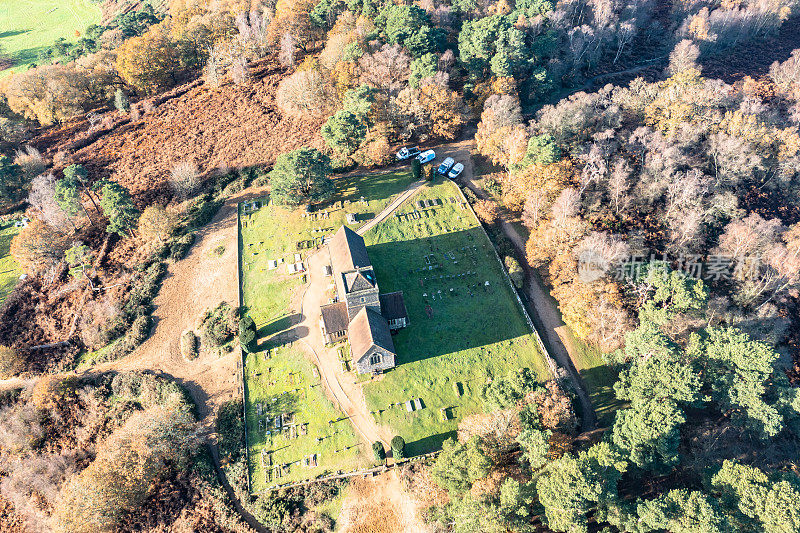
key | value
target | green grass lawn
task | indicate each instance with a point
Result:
(29, 26)
(272, 233)
(9, 269)
(286, 382)
(475, 332)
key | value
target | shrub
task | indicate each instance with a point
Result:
(230, 427)
(155, 223)
(377, 449)
(416, 168)
(204, 211)
(218, 325)
(180, 247)
(398, 447)
(31, 162)
(515, 271)
(121, 101)
(247, 333)
(469, 195)
(487, 211)
(184, 179)
(189, 345)
(11, 363)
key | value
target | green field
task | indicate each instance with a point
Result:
(599, 379)
(282, 382)
(29, 26)
(475, 332)
(9, 269)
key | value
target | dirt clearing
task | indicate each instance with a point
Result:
(379, 505)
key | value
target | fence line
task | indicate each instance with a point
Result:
(241, 352)
(352, 473)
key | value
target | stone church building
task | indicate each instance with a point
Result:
(361, 313)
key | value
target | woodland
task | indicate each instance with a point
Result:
(662, 131)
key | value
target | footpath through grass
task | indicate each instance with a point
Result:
(463, 332)
(9, 269)
(285, 381)
(29, 26)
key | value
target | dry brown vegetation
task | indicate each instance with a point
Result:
(69, 443)
(235, 126)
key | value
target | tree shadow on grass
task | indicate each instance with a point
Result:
(281, 324)
(284, 337)
(376, 187)
(427, 444)
(13, 33)
(600, 384)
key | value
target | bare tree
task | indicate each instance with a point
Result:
(686, 189)
(30, 160)
(288, 50)
(566, 205)
(387, 69)
(618, 185)
(305, 94)
(215, 66)
(750, 236)
(239, 72)
(683, 57)
(786, 75)
(625, 34)
(184, 179)
(253, 33)
(42, 199)
(533, 208)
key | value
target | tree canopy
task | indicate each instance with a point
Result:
(301, 177)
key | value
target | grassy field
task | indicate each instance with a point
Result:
(286, 382)
(9, 269)
(599, 379)
(29, 26)
(469, 333)
(271, 233)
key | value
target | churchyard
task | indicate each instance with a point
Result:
(466, 326)
(294, 431)
(278, 378)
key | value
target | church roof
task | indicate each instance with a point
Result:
(368, 329)
(348, 251)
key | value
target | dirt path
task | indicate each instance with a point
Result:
(545, 313)
(342, 387)
(389, 209)
(203, 279)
